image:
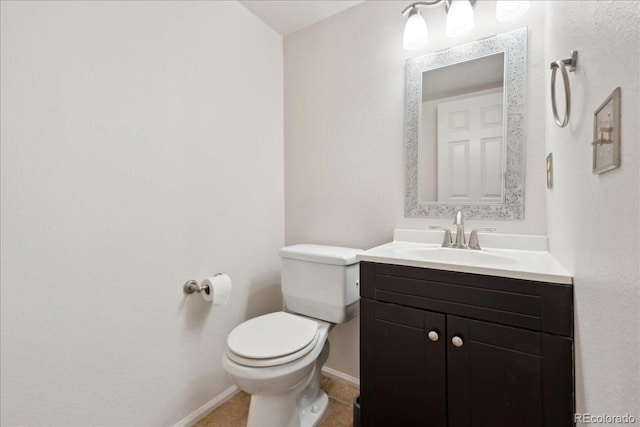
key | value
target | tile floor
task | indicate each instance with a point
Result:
(235, 411)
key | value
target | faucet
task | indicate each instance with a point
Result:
(460, 242)
(459, 223)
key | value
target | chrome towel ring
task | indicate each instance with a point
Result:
(562, 65)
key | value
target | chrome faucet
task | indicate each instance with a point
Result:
(459, 223)
(460, 242)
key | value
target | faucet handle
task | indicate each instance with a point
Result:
(473, 237)
(446, 241)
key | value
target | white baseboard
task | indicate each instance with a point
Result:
(332, 373)
(205, 409)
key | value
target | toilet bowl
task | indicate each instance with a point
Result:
(288, 393)
(278, 357)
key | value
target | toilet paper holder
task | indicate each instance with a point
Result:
(192, 286)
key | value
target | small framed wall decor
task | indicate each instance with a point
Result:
(606, 134)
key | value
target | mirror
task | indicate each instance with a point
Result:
(464, 137)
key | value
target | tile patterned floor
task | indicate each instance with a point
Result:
(234, 412)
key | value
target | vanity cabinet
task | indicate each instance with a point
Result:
(441, 348)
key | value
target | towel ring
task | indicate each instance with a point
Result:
(562, 65)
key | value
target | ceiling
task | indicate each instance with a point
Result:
(289, 16)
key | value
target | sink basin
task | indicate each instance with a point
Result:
(502, 255)
(453, 255)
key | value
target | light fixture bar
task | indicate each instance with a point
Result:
(423, 3)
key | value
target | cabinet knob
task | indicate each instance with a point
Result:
(433, 335)
(457, 341)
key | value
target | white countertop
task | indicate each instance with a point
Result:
(503, 255)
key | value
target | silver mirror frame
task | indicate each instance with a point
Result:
(514, 46)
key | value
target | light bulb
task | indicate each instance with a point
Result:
(415, 31)
(510, 9)
(459, 18)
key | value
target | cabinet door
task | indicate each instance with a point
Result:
(504, 376)
(402, 369)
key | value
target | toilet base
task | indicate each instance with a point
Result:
(281, 411)
(310, 418)
(304, 405)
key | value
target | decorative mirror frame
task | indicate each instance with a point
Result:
(514, 46)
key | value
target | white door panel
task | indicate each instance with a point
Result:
(470, 150)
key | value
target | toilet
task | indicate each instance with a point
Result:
(278, 357)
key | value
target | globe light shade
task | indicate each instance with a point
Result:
(510, 9)
(415, 31)
(459, 18)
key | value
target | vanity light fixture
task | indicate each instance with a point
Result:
(416, 34)
(459, 21)
(460, 18)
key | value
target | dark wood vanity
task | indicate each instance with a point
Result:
(441, 348)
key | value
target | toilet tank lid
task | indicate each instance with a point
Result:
(321, 254)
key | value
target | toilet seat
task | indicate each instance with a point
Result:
(262, 363)
(272, 339)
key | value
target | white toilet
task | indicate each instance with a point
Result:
(278, 357)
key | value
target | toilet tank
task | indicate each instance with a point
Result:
(320, 281)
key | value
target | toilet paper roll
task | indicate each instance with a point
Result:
(218, 289)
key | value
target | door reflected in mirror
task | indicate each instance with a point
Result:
(462, 132)
(464, 137)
